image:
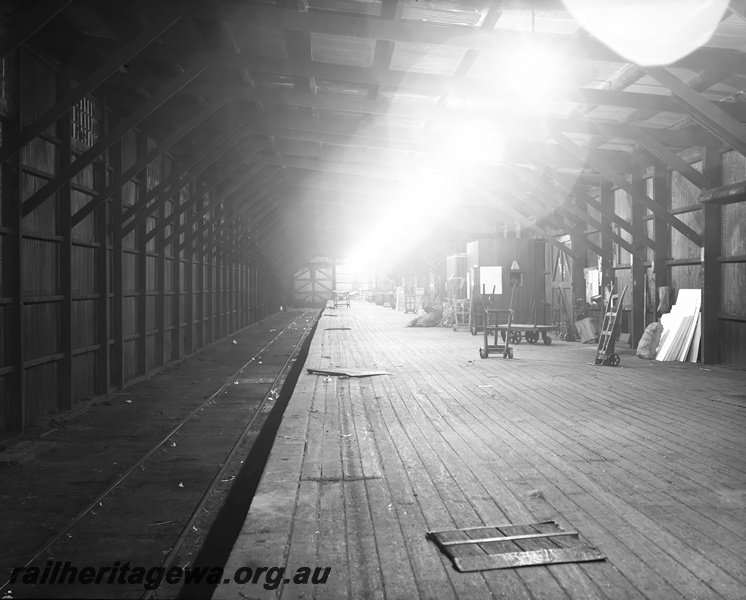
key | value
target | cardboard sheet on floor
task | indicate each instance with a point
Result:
(511, 546)
(348, 372)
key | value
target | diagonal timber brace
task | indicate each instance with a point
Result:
(131, 121)
(621, 182)
(120, 179)
(91, 82)
(178, 179)
(704, 112)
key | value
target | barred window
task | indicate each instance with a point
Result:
(85, 122)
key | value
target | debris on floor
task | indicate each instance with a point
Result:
(510, 546)
(348, 372)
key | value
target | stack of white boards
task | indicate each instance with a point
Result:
(682, 329)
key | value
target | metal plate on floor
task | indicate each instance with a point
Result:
(511, 546)
(348, 372)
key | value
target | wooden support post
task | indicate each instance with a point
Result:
(13, 265)
(607, 245)
(142, 268)
(115, 183)
(218, 241)
(65, 365)
(117, 280)
(176, 295)
(160, 306)
(201, 284)
(189, 290)
(638, 255)
(103, 272)
(72, 96)
(579, 261)
(131, 121)
(711, 234)
(661, 195)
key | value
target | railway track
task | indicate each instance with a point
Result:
(185, 476)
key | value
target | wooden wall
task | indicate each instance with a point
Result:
(732, 314)
(680, 260)
(83, 309)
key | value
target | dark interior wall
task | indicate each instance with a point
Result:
(84, 310)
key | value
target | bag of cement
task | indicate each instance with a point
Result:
(649, 341)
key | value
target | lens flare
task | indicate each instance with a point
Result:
(654, 32)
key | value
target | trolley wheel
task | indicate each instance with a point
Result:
(473, 330)
(515, 337)
(569, 337)
(547, 340)
(482, 354)
(510, 352)
(561, 336)
(455, 327)
(613, 360)
(532, 337)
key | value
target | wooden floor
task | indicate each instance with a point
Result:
(645, 460)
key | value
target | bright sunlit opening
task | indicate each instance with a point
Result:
(655, 32)
(536, 71)
(411, 219)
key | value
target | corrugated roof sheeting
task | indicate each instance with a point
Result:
(445, 12)
(359, 7)
(272, 80)
(426, 58)
(404, 95)
(260, 41)
(538, 21)
(324, 86)
(342, 50)
(730, 34)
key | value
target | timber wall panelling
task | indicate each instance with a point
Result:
(83, 308)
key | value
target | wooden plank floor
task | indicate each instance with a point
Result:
(646, 461)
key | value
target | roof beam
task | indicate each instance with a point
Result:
(254, 176)
(36, 14)
(570, 207)
(331, 23)
(528, 223)
(178, 179)
(674, 161)
(181, 208)
(66, 174)
(94, 80)
(119, 179)
(621, 182)
(704, 112)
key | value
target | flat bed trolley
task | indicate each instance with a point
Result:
(529, 331)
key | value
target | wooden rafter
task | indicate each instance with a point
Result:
(620, 181)
(93, 81)
(702, 110)
(120, 178)
(36, 14)
(150, 106)
(179, 178)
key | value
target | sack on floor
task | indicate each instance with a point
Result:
(431, 319)
(649, 341)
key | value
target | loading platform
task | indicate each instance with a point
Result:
(647, 462)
